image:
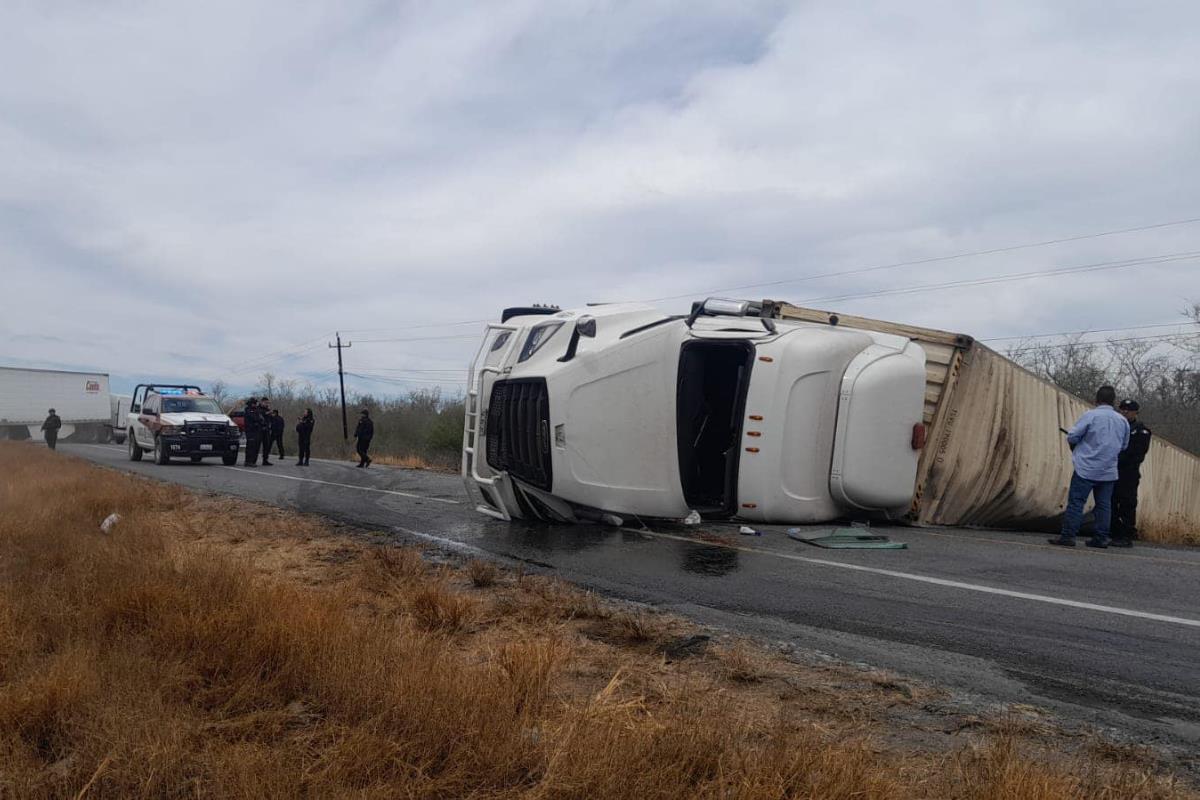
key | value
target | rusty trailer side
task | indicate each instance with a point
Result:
(994, 455)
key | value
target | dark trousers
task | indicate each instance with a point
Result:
(305, 448)
(276, 440)
(361, 447)
(51, 439)
(252, 443)
(1125, 502)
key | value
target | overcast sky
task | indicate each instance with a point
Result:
(208, 190)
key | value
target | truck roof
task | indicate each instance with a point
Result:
(60, 371)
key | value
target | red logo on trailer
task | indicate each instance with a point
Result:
(92, 387)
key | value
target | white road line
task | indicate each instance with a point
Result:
(909, 576)
(347, 486)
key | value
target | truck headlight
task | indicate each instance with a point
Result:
(171, 430)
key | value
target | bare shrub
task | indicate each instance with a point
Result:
(436, 607)
(482, 573)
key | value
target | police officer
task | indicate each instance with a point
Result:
(264, 425)
(304, 430)
(252, 420)
(363, 433)
(277, 426)
(1129, 475)
(50, 429)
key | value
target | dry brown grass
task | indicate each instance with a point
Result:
(214, 648)
(482, 573)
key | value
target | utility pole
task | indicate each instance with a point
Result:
(342, 383)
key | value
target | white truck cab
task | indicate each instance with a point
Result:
(624, 410)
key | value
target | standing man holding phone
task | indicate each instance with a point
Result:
(1096, 441)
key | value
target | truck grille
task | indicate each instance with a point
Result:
(204, 427)
(518, 430)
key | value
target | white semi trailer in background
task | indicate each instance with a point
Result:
(624, 410)
(81, 400)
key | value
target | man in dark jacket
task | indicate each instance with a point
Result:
(362, 436)
(252, 422)
(1129, 476)
(304, 431)
(277, 426)
(50, 429)
(264, 414)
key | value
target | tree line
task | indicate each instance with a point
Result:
(1161, 372)
(423, 427)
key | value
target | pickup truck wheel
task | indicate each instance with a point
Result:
(135, 452)
(160, 452)
(229, 460)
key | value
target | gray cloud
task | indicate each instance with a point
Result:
(221, 181)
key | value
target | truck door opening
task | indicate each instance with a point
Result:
(710, 405)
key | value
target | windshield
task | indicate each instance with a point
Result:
(202, 405)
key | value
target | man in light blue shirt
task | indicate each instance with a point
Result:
(1096, 440)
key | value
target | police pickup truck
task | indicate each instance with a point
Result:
(179, 421)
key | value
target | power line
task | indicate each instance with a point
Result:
(424, 325)
(422, 338)
(1096, 267)
(937, 259)
(1169, 338)
(403, 381)
(1086, 330)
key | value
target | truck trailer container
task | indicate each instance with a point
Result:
(81, 400)
(770, 412)
(995, 456)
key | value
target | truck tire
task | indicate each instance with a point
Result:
(135, 452)
(229, 460)
(160, 453)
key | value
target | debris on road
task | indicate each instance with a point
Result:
(746, 530)
(845, 539)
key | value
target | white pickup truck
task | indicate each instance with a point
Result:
(624, 410)
(179, 421)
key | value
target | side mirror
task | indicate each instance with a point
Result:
(584, 326)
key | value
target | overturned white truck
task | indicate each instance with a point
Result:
(771, 412)
(624, 410)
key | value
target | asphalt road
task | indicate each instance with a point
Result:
(1108, 637)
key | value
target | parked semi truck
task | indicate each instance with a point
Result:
(79, 398)
(769, 412)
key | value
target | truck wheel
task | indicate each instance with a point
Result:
(135, 452)
(160, 452)
(229, 460)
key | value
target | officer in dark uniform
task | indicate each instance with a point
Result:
(1129, 475)
(264, 425)
(277, 426)
(50, 429)
(304, 430)
(252, 420)
(363, 433)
